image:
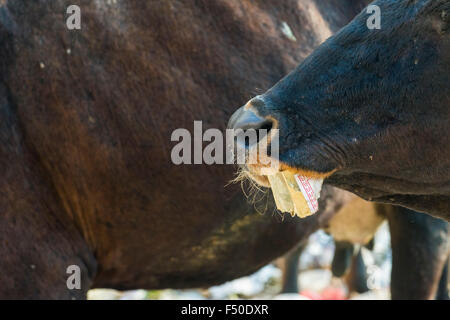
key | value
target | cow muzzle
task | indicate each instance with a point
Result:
(245, 120)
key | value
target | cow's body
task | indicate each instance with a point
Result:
(87, 116)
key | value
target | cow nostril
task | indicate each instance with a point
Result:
(246, 119)
(267, 125)
(264, 129)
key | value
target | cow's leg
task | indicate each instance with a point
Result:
(419, 252)
(357, 277)
(342, 259)
(38, 242)
(290, 270)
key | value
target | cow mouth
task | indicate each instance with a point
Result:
(259, 172)
(261, 180)
(253, 172)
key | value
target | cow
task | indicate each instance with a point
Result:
(88, 185)
(85, 138)
(369, 109)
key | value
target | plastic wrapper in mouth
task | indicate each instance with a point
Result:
(295, 194)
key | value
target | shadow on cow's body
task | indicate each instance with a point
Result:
(369, 109)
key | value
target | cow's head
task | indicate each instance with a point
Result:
(370, 109)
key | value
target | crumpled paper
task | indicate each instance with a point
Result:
(295, 194)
